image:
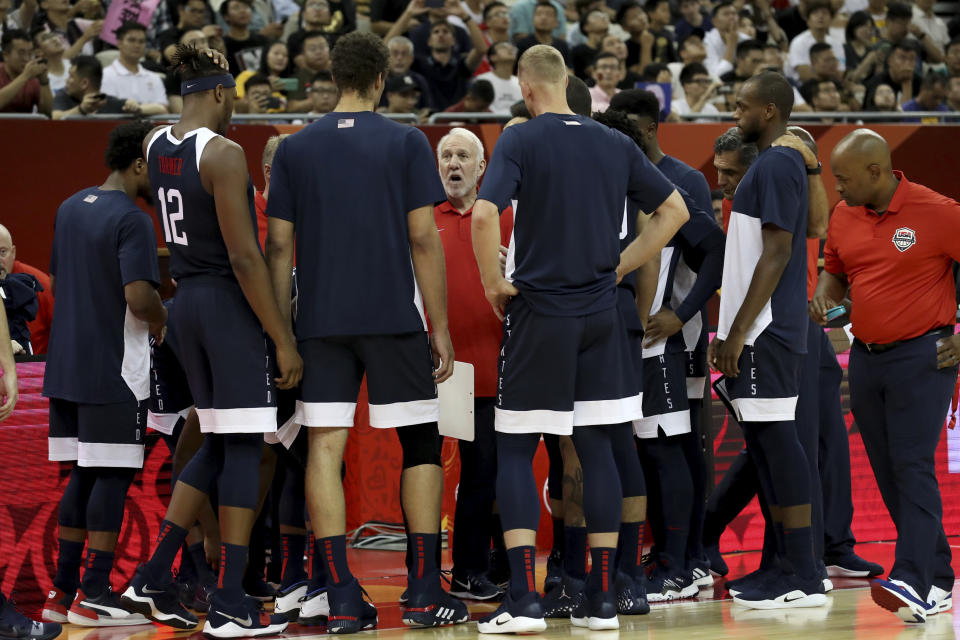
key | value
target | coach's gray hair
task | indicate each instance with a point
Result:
(405, 41)
(466, 133)
(732, 140)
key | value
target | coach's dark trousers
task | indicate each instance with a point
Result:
(834, 456)
(899, 400)
(473, 518)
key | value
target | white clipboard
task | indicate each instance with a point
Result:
(456, 403)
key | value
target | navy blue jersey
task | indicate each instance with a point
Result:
(686, 177)
(569, 175)
(773, 192)
(347, 183)
(98, 351)
(187, 213)
(19, 293)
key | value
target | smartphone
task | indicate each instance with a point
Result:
(274, 103)
(289, 84)
(99, 96)
(435, 4)
(836, 312)
(41, 60)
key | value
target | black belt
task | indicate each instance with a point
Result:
(874, 347)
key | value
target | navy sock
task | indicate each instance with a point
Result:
(96, 576)
(168, 544)
(423, 554)
(69, 559)
(233, 564)
(334, 553)
(318, 566)
(602, 570)
(187, 570)
(198, 555)
(628, 547)
(575, 557)
(293, 546)
(558, 536)
(522, 564)
(798, 548)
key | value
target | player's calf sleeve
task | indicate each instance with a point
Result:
(517, 496)
(239, 483)
(602, 495)
(72, 511)
(555, 473)
(107, 499)
(205, 465)
(421, 444)
(628, 462)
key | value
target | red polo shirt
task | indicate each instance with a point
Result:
(26, 99)
(474, 328)
(898, 264)
(39, 326)
(260, 205)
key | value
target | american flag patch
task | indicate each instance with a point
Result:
(344, 123)
(90, 199)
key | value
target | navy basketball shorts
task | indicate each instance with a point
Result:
(558, 372)
(98, 435)
(768, 385)
(225, 355)
(665, 404)
(170, 397)
(697, 368)
(400, 384)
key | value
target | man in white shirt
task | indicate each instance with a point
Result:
(933, 25)
(127, 79)
(506, 87)
(721, 41)
(699, 88)
(819, 15)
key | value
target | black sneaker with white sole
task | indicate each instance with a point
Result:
(597, 612)
(104, 610)
(158, 602)
(434, 608)
(349, 611)
(475, 586)
(559, 603)
(631, 597)
(16, 626)
(244, 619)
(700, 570)
(850, 565)
(523, 615)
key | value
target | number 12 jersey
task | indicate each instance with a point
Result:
(186, 210)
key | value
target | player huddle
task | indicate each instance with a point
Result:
(612, 258)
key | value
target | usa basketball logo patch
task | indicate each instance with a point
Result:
(904, 238)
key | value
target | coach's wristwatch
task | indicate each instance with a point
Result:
(817, 171)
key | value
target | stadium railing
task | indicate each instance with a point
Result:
(836, 117)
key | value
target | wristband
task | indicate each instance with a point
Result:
(817, 171)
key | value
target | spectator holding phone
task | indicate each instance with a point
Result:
(81, 96)
(24, 85)
(276, 66)
(260, 97)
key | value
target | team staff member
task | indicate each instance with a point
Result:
(476, 332)
(891, 248)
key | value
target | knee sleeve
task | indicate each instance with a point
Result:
(107, 499)
(421, 444)
(555, 475)
(73, 504)
(205, 465)
(602, 494)
(628, 461)
(239, 484)
(517, 496)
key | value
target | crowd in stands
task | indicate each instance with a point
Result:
(461, 55)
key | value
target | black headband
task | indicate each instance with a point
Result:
(207, 83)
